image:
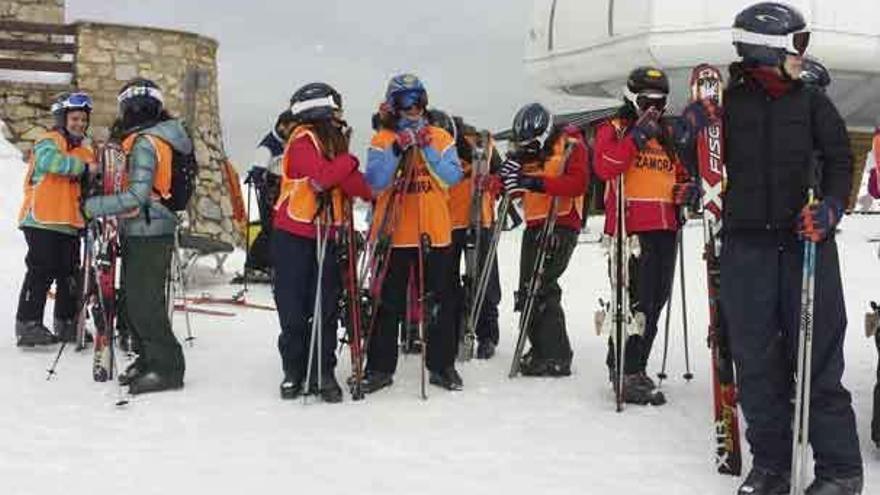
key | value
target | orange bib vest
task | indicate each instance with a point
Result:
(162, 174)
(302, 199)
(425, 205)
(652, 176)
(461, 195)
(537, 205)
(55, 199)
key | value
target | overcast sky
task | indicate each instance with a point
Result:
(468, 52)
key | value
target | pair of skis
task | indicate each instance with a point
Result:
(473, 248)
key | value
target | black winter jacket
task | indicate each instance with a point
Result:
(770, 147)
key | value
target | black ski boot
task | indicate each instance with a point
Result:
(374, 381)
(555, 367)
(638, 388)
(153, 381)
(447, 378)
(65, 330)
(32, 333)
(485, 349)
(840, 486)
(330, 390)
(291, 387)
(137, 368)
(764, 482)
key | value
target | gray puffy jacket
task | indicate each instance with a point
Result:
(142, 162)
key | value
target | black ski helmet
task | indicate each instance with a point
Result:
(647, 87)
(765, 32)
(140, 101)
(66, 102)
(533, 122)
(814, 74)
(315, 101)
(442, 120)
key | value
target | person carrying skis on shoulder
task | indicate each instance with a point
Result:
(547, 162)
(407, 144)
(318, 173)
(51, 221)
(460, 203)
(150, 138)
(774, 126)
(265, 176)
(639, 145)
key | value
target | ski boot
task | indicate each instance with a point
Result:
(638, 388)
(153, 381)
(137, 368)
(546, 367)
(840, 486)
(485, 349)
(291, 387)
(764, 482)
(32, 333)
(447, 378)
(374, 381)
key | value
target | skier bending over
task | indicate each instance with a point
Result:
(50, 219)
(548, 163)
(774, 125)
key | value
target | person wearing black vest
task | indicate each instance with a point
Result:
(775, 126)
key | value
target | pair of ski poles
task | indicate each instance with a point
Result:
(679, 241)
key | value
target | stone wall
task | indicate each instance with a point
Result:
(25, 109)
(184, 65)
(48, 11)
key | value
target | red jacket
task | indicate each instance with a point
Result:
(303, 160)
(571, 184)
(651, 173)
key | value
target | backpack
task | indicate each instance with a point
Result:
(184, 175)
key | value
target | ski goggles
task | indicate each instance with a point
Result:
(793, 43)
(134, 91)
(408, 100)
(647, 99)
(74, 101)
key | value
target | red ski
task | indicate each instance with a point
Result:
(707, 83)
(185, 308)
(351, 297)
(207, 299)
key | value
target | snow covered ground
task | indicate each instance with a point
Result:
(227, 431)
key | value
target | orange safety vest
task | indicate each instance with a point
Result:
(162, 174)
(55, 199)
(425, 206)
(461, 195)
(537, 205)
(652, 176)
(301, 197)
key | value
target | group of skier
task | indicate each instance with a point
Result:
(433, 180)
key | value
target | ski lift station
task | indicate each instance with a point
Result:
(587, 47)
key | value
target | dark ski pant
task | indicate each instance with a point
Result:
(259, 252)
(651, 276)
(146, 261)
(439, 327)
(546, 331)
(51, 257)
(760, 302)
(875, 420)
(487, 321)
(296, 281)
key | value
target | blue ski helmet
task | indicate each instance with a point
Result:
(66, 102)
(406, 91)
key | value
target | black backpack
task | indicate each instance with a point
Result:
(184, 175)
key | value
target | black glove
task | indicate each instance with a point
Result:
(646, 128)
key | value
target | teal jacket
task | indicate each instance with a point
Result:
(48, 159)
(153, 219)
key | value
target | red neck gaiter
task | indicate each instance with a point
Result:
(772, 81)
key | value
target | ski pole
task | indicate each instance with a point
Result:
(247, 238)
(801, 427)
(684, 312)
(177, 272)
(424, 247)
(662, 375)
(315, 341)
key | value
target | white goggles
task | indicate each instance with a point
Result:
(302, 106)
(793, 43)
(140, 91)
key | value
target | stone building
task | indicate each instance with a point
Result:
(104, 56)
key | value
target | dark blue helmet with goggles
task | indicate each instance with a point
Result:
(765, 33)
(406, 91)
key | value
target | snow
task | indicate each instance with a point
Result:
(227, 431)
